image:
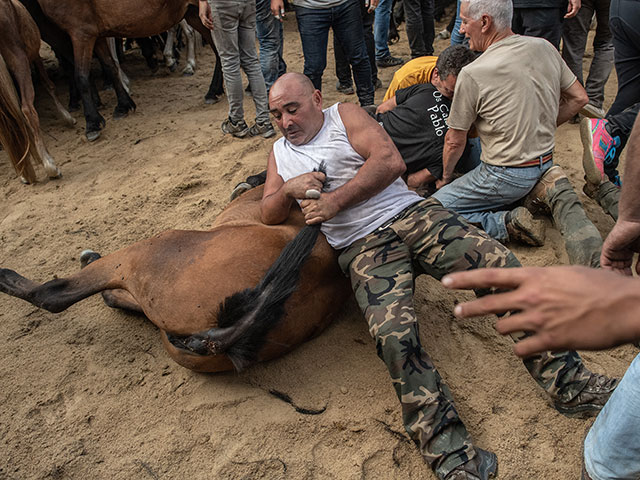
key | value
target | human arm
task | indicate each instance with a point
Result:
(624, 240)
(454, 144)
(370, 5)
(383, 165)
(278, 195)
(277, 9)
(564, 308)
(571, 101)
(204, 11)
(572, 8)
(420, 178)
(387, 105)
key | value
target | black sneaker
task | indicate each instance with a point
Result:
(239, 130)
(345, 88)
(389, 62)
(265, 129)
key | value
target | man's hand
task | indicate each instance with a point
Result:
(563, 307)
(371, 5)
(297, 187)
(441, 182)
(320, 210)
(572, 8)
(619, 247)
(204, 11)
(277, 9)
(387, 105)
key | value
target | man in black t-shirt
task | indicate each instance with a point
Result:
(416, 119)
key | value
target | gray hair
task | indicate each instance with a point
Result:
(501, 11)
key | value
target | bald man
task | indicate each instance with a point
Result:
(385, 233)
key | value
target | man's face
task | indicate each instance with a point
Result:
(298, 115)
(471, 28)
(446, 86)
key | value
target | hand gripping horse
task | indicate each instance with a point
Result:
(207, 291)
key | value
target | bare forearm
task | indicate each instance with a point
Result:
(571, 101)
(454, 143)
(275, 208)
(629, 207)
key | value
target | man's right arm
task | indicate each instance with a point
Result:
(454, 144)
(278, 195)
(387, 105)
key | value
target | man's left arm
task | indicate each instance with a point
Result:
(571, 101)
(383, 165)
(454, 144)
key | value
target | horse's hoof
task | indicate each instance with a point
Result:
(56, 175)
(187, 73)
(24, 180)
(88, 256)
(211, 100)
(117, 114)
(93, 136)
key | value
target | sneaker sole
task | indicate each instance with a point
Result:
(592, 112)
(588, 161)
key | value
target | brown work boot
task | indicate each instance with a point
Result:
(537, 200)
(591, 398)
(522, 228)
(481, 467)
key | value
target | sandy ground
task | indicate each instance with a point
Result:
(90, 392)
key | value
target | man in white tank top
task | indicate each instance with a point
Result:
(385, 234)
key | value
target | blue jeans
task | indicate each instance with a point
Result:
(346, 22)
(612, 446)
(270, 37)
(479, 194)
(381, 28)
(457, 38)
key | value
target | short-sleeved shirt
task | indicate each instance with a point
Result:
(512, 95)
(416, 71)
(417, 126)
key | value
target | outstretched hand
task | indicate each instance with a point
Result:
(620, 245)
(563, 307)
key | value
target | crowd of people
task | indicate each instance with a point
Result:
(452, 166)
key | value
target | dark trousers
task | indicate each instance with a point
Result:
(343, 69)
(539, 22)
(574, 41)
(624, 21)
(420, 26)
(346, 22)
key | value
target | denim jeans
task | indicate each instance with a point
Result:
(420, 26)
(574, 41)
(346, 22)
(457, 38)
(343, 69)
(381, 28)
(479, 194)
(624, 18)
(612, 446)
(234, 33)
(270, 37)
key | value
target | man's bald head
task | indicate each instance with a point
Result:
(296, 107)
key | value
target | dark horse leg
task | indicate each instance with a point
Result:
(83, 53)
(215, 88)
(125, 103)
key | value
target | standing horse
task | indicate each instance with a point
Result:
(200, 289)
(90, 22)
(20, 127)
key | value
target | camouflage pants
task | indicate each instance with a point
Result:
(427, 238)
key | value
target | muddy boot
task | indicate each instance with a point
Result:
(522, 228)
(481, 467)
(537, 200)
(590, 400)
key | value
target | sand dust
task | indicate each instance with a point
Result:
(90, 392)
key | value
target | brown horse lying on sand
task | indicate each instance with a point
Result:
(19, 123)
(198, 287)
(90, 22)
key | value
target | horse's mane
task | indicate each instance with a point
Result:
(15, 134)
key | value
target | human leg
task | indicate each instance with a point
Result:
(381, 29)
(624, 17)
(540, 22)
(415, 28)
(574, 38)
(226, 15)
(347, 27)
(249, 61)
(269, 31)
(428, 25)
(603, 56)
(313, 25)
(612, 446)
(457, 38)
(383, 286)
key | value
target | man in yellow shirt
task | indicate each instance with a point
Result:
(418, 70)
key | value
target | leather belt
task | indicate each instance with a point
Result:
(540, 160)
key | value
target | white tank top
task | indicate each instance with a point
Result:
(332, 147)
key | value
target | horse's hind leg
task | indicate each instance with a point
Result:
(116, 298)
(125, 102)
(215, 88)
(48, 84)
